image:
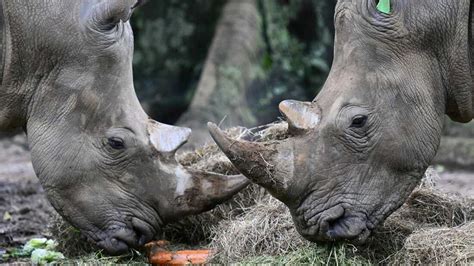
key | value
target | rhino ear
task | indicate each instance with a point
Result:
(166, 138)
(108, 13)
(301, 116)
(460, 100)
(462, 110)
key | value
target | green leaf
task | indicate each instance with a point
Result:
(7, 217)
(384, 6)
(15, 253)
(43, 256)
(39, 243)
(34, 243)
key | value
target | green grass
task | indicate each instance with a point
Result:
(314, 255)
(97, 258)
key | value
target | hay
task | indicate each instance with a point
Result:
(253, 227)
(446, 245)
(210, 158)
(70, 240)
(198, 230)
(263, 229)
(425, 208)
(266, 229)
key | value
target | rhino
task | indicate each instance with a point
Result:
(106, 167)
(356, 152)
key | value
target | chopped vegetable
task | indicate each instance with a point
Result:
(182, 257)
(43, 256)
(41, 251)
(158, 255)
(39, 243)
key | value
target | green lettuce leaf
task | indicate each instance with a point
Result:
(41, 243)
(43, 256)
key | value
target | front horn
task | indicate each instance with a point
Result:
(268, 164)
(199, 191)
(193, 191)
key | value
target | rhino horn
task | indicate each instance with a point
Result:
(301, 116)
(266, 164)
(194, 191)
(199, 191)
(166, 138)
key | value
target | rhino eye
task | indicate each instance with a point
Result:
(116, 143)
(359, 121)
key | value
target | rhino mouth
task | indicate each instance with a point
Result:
(119, 239)
(335, 224)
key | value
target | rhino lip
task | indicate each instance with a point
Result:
(113, 246)
(347, 228)
(118, 241)
(144, 231)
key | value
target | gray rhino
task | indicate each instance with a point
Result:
(66, 78)
(357, 151)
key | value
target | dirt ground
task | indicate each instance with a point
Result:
(457, 181)
(25, 211)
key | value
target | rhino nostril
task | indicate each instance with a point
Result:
(143, 231)
(350, 228)
(113, 246)
(126, 236)
(114, 241)
(329, 219)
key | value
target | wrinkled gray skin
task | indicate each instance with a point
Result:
(105, 166)
(357, 151)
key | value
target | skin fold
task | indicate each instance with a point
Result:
(355, 153)
(106, 167)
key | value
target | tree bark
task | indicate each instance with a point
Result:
(229, 68)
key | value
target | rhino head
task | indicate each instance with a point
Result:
(356, 152)
(105, 165)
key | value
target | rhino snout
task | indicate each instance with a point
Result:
(118, 240)
(335, 224)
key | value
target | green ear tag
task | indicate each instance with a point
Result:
(384, 6)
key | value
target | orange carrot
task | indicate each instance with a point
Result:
(158, 255)
(182, 257)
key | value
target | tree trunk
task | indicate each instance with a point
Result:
(231, 64)
(172, 39)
